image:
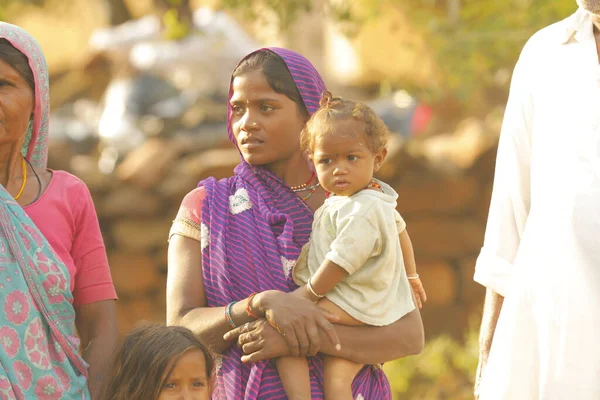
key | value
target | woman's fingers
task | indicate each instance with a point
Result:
(314, 338)
(331, 317)
(252, 347)
(302, 337)
(329, 330)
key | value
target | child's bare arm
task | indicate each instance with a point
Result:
(327, 276)
(411, 268)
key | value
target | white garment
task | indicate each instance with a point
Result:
(360, 234)
(542, 243)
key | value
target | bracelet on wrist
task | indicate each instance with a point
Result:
(416, 276)
(228, 314)
(249, 306)
(312, 291)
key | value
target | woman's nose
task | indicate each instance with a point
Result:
(248, 123)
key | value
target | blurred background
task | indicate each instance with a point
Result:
(138, 97)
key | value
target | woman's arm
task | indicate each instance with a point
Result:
(298, 319)
(361, 344)
(186, 298)
(97, 328)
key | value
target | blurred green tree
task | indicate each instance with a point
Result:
(474, 43)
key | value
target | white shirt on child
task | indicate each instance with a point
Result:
(360, 234)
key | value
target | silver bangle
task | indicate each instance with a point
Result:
(413, 277)
(310, 289)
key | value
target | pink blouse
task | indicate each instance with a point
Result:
(66, 216)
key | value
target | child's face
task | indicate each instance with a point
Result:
(188, 379)
(343, 160)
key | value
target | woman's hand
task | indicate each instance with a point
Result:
(418, 290)
(298, 320)
(259, 341)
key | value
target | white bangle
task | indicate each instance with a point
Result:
(310, 289)
(413, 277)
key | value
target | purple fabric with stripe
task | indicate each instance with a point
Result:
(247, 251)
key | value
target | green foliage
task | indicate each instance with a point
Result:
(475, 43)
(482, 40)
(444, 370)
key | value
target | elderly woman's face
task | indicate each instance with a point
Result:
(16, 104)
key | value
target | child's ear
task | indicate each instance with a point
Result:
(379, 159)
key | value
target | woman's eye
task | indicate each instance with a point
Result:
(266, 108)
(236, 109)
(169, 385)
(198, 384)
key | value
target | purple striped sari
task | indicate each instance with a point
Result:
(253, 229)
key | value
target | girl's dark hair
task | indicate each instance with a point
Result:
(145, 360)
(10, 55)
(277, 74)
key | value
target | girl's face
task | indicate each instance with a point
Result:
(188, 380)
(266, 124)
(343, 160)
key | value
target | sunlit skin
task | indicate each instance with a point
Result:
(188, 380)
(266, 124)
(343, 160)
(16, 106)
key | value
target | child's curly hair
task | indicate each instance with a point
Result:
(336, 109)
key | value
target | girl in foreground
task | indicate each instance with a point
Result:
(159, 363)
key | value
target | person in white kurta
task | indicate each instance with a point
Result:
(542, 244)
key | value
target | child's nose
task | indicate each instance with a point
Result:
(340, 169)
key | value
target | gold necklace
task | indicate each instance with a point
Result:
(24, 179)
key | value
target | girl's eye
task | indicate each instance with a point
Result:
(266, 108)
(236, 109)
(169, 385)
(198, 384)
(352, 158)
(325, 161)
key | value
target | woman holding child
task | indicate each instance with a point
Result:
(235, 242)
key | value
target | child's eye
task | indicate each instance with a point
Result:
(266, 108)
(169, 385)
(236, 109)
(352, 158)
(325, 161)
(198, 384)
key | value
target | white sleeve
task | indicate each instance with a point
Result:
(510, 202)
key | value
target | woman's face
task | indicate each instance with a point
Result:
(266, 124)
(16, 105)
(188, 380)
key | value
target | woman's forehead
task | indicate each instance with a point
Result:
(253, 86)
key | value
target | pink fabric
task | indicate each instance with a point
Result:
(191, 206)
(66, 216)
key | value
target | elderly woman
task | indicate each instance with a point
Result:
(55, 281)
(235, 241)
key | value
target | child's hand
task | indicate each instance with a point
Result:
(418, 290)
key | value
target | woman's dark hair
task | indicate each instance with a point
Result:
(145, 360)
(18, 61)
(277, 74)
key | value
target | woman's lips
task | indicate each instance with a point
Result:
(252, 143)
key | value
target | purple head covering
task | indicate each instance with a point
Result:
(253, 228)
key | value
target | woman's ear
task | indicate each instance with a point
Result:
(379, 159)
